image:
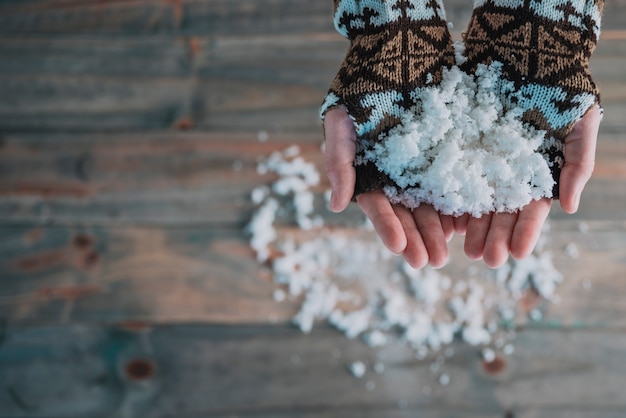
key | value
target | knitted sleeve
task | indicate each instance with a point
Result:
(544, 47)
(396, 46)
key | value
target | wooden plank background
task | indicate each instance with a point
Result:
(129, 138)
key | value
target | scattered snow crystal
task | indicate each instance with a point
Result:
(379, 367)
(262, 230)
(262, 136)
(353, 323)
(583, 227)
(508, 350)
(536, 315)
(350, 280)
(488, 355)
(279, 295)
(358, 369)
(375, 339)
(572, 250)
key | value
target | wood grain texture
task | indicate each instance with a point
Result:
(156, 275)
(137, 274)
(221, 83)
(129, 139)
(163, 178)
(193, 178)
(147, 57)
(129, 84)
(193, 371)
(154, 16)
(155, 83)
(199, 16)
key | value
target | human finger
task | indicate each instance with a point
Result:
(580, 151)
(415, 252)
(377, 208)
(430, 229)
(339, 152)
(447, 224)
(460, 224)
(528, 227)
(476, 235)
(498, 241)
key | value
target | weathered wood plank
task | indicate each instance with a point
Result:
(271, 80)
(223, 83)
(154, 56)
(195, 371)
(200, 16)
(48, 103)
(92, 274)
(191, 178)
(114, 87)
(190, 16)
(164, 178)
(546, 364)
(244, 66)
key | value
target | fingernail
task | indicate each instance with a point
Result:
(576, 202)
(333, 201)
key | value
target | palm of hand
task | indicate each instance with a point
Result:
(421, 235)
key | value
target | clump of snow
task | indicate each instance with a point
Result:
(358, 369)
(296, 178)
(488, 355)
(237, 165)
(261, 229)
(319, 303)
(583, 227)
(537, 269)
(508, 349)
(347, 277)
(379, 367)
(536, 315)
(571, 249)
(352, 323)
(461, 151)
(376, 338)
(279, 295)
(262, 136)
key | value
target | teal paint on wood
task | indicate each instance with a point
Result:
(219, 371)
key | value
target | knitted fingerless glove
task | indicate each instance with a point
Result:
(544, 47)
(396, 46)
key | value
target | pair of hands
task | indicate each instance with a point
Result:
(421, 235)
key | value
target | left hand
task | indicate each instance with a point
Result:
(494, 236)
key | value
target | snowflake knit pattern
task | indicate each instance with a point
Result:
(544, 47)
(396, 47)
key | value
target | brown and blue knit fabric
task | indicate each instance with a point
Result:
(396, 47)
(544, 47)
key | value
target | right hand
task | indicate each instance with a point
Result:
(420, 235)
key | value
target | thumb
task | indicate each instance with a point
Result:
(339, 155)
(580, 151)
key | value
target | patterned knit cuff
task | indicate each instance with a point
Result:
(544, 47)
(396, 46)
